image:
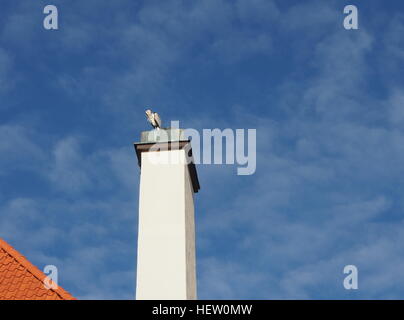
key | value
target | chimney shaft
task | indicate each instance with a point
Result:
(166, 233)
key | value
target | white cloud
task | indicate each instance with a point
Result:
(16, 146)
(221, 279)
(69, 171)
(6, 65)
(314, 17)
(395, 106)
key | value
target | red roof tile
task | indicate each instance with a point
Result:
(21, 280)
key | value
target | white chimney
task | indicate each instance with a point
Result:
(166, 233)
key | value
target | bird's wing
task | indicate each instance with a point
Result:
(157, 119)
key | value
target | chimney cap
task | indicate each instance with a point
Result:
(162, 135)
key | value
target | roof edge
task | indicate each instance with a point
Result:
(33, 269)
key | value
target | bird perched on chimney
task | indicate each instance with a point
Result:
(154, 119)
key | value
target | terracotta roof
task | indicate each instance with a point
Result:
(21, 280)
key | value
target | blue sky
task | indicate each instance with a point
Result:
(327, 104)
